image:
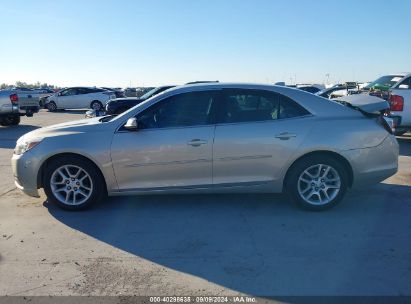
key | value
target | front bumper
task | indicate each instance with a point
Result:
(25, 173)
(373, 165)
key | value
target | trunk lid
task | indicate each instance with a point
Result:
(366, 104)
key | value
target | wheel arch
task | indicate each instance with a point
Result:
(41, 172)
(52, 101)
(335, 155)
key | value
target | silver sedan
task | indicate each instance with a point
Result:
(212, 138)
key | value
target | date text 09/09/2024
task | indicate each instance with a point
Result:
(202, 299)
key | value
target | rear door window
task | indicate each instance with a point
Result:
(243, 105)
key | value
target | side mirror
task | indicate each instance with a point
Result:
(404, 86)
(131, 124)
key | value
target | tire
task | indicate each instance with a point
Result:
(51, 106)
(10, 120)
(299, 185)
(96, 105)
(80, 192)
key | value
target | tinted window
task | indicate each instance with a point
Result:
(69, 92)
(253, 105)
(83, 91)
(183, 110)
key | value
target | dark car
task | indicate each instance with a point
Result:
(119, 105)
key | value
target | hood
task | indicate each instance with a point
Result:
(365, 103)
(72, 127)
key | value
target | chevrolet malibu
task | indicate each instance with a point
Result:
(217, 138)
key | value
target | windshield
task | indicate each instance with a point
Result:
(384, 81)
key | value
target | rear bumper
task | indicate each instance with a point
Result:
(398, 123)
(28, 110)
(9, 109)
(373, 165)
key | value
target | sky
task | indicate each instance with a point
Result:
(156, 42)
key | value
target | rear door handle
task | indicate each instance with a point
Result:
(196, 142)
(285, 135)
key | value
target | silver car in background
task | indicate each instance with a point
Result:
(212, 138)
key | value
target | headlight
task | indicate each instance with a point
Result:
(24, 146)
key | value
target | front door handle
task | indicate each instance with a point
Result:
(196, 142)
(285, 135)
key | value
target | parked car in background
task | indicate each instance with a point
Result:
(213, 138)
(21, 102)
(400, 104)
(339, 90)
(381, 86)
(384, 83)
(136, 92)
(43, 96)
(9, 108)
(79, 98)
(118, 91)
(119, 105)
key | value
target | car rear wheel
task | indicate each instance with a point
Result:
(10, 120)
(51, 106)
(317, 183)
(73, 183)
(96, 105)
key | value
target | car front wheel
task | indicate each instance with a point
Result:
(51, 106)
(73, 183)
(317, 183)
(96, 105)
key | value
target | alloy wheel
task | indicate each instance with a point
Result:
(71, 185)
(319, 184)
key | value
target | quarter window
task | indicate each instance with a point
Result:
(183, 110)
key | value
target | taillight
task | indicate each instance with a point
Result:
(396, 103)
(14, 98)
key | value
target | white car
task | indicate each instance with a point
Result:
(400, 104)
(79, 98)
